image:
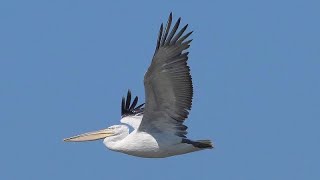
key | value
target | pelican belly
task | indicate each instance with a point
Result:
(142, 144)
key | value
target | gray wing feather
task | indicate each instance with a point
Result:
(168, 84)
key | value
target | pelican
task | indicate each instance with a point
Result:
(157, 129)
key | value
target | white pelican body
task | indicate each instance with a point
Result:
(147, 145)
(151, 146)
(158, 129)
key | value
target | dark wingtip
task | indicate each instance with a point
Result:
(128, 102)
(202, 144)
(128, 108)
(167, 29)
(173, 38)
(184, 37)
(138, 107)
(159, 36)
(134, 103)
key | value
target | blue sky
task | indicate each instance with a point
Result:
(64, 66)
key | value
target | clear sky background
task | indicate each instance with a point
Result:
(64, 66)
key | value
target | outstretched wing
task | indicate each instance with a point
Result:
(168, 85)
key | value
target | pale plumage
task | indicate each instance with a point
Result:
(158, 129)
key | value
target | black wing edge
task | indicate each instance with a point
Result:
(128, 109)
(173, 38)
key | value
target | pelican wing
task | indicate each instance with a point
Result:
(168, 85)
(130, 113)
(128, 109)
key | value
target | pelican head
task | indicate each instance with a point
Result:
(110, 132)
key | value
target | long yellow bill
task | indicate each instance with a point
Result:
(90, 136)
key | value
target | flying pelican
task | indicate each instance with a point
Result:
(158, 129)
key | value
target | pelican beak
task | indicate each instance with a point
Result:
(90, 136)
